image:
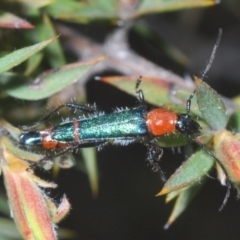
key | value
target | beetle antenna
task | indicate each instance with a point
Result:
(210, 62)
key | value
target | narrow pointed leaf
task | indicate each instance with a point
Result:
(54, 51)
(84, 11)
(32, 63)
(26, 199)
(35, 4)
(9, 20)
(150, 6)
(211, 106)
(182, 203)
(18, 56)
(156, 91)
(89, 157)
(174, 194)
(52, 81)
(14, 132)
(193, 170)
(111, 9)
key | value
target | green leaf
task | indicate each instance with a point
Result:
(23, 154)
(234, 121)
(52, 81)
(111, 9)
(90, 160)
(211, 106)
(13, 131)
(184, 198)
(54, 51)
(197, 166)
(151, 6)
(32, 63)
(30, 4)
(83, 11)
(18, 56)
(156, 91)
(173, 140)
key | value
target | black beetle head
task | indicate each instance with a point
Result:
(30, 138)
(185, 124)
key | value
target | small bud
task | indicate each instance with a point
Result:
(227, 150)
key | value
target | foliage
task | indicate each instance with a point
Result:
(25, 75)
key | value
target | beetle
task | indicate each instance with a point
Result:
(122, 126)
